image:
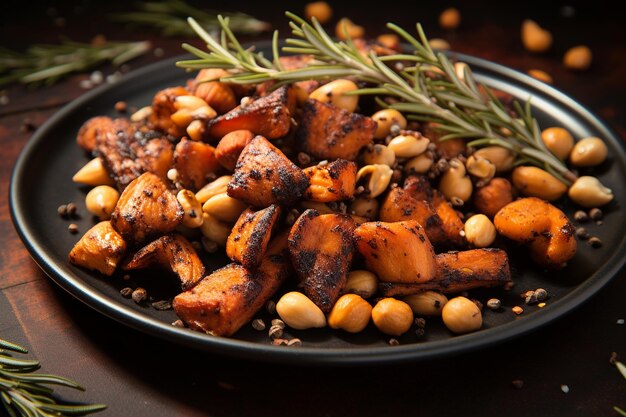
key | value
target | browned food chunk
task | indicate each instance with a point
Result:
(146, 209)
(399, 205)
(216, 94)
(490, 198)
(265, 176)
(100, 249)
(321, 250)
(195, 162)
(328, 132)
(90, 130)
(269, 116)
(300, 61)
(128, 150)
(230, 297)
(460, 271)
(250, 236)
(173, 252)
(447, 149)
(396, 252)
(334, 181)
(545, 229)
(230, 146)
(419, 187)
(163, 106)
(214, 74)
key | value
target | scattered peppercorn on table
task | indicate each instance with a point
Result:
(561, 369)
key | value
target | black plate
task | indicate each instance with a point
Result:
(42, 181)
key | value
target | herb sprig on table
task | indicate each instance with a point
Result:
(25, 393)
(423, 83)
(46, 64)
(170, 18)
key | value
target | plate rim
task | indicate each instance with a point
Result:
(308, 355)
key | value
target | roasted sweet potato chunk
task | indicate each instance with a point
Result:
(265, 176)
(230, 146)
(396, 252)
(419, 187)
(195, 161)
(146, 209)
(250, 236)
(128, 150)
(334, 181)
(328, 132)
(545, 229)
(490, 198)
(172, 252)
(321, 250)
(399, 205)
(269, 116)
(100, 249)
(460, 271)
(88, 132)
(230, 297)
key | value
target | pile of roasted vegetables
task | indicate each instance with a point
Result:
(372, 216)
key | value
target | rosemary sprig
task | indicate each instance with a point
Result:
(46, 64)
(170, 18)
(24, 393)
(424, 83)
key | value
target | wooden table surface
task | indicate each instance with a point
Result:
(138, 375)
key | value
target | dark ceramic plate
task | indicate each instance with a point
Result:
(51, 158)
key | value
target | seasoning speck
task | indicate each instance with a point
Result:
(280, 342)
(4, 99)
(595, 242)
(595, 214)
(276, 332)
(208, 245)
(158, 52)
(295, 342)
(178, 323)
(258, 324)
(394, 342)
(420, 322)
(582, 233)
(139, 295)
(73, 228)
(517, 383)
(541, 294)
(565, 388)
(126, 292)
(517, 310)
(71, 209)
(62, 210)
(493, 304)
(581, 217)
(162, 305)
(86, 84)
(96, 77)
(121, 106)
(270, 307)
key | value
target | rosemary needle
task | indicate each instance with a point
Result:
(427, 88)
(25, 393)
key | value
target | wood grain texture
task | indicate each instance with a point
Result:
(141, 376)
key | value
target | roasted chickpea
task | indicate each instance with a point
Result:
(215, 230)
(535, 182)
(363, 283)
(450, 18)
(588, 152)
(376, 177)
(93, 173)
(299, 312)
(421, 164)
(392, 317)
(408, 146)
(350, 313)
(365, 207)
(455, 184)
(578, 58)
(101, 201)
(218, 186)
(385, 119)
(319, 10)
(558, 141)
(479, 231)
(427, 303)
(481, 168)
(501, 157)
(335, 91)
(462, 315)
(346, 28)
(191, 207)
(379, 154)
(224, 208)
(589, 192)
(534, 37)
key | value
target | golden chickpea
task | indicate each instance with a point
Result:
(534, 37)
(501, 157)
(578, 58)
(379, 154)
(558, 141)
(319, 10)
(93, 173)
(541, 75)
(347, 28)
(385, 119)
(462, 315)
(215, 230)
(224, 208)
(455, 185)
(350, 313)
(101, 201)
(392, 317)
(481, 168)
(408, 146)
(360, 282)
(365, 207)
(426, 303)
(588, 152)
(334, 93)
(535, 182)
(479, 231)
(375, 177)
(421, 164)
(589, 192)
(299, 312)
(450, 18)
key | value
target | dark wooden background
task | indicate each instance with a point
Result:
(138, 375)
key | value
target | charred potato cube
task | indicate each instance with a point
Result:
(100, 249)
(230, 146)
(251, 234)
(194, 162)
(334, 181)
